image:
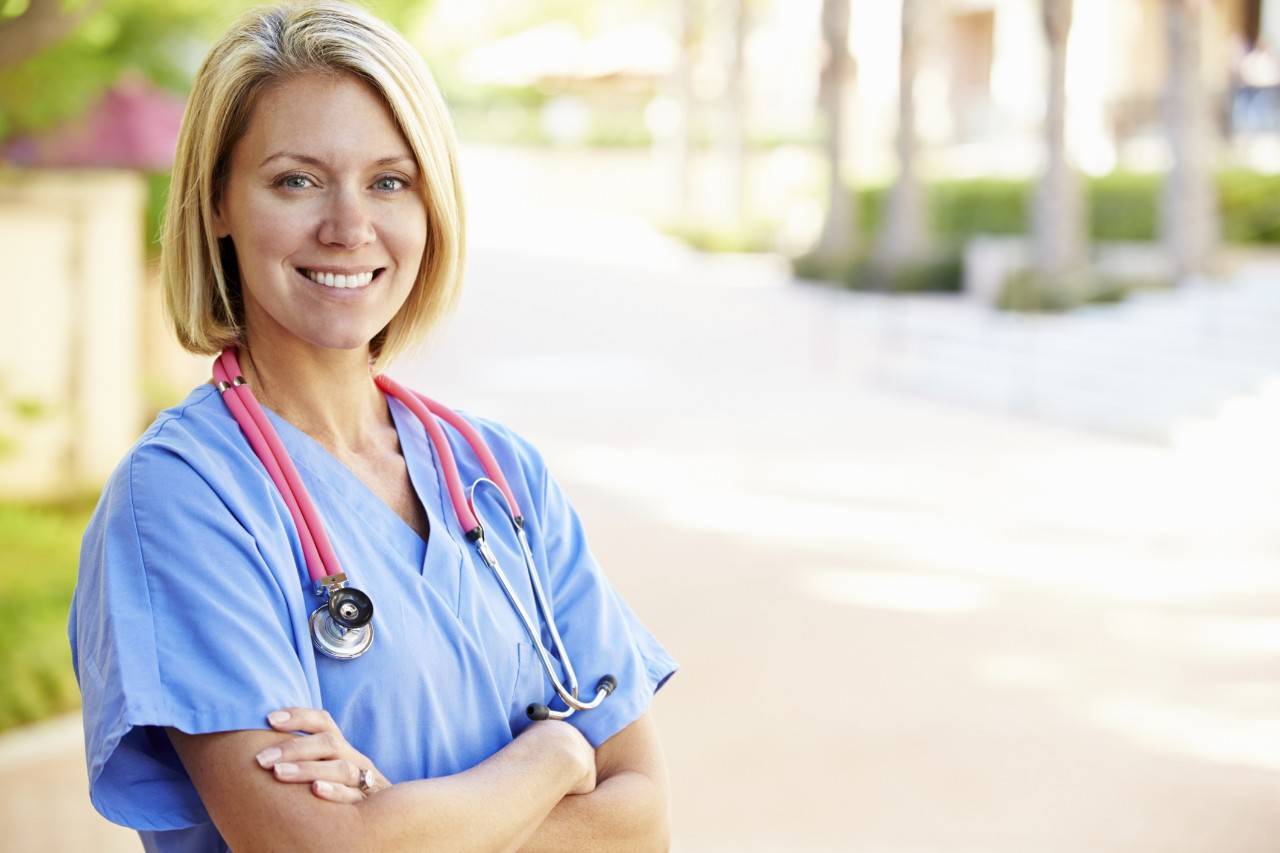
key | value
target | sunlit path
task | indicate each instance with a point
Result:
(905, 625)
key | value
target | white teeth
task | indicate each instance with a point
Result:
(329, 279)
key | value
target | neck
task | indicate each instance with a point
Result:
(328, 394)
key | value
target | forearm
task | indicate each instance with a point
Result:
(626, 812)
(494, 806)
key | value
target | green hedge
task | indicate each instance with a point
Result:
(1122, 206)
(941, 272)
(38, 574)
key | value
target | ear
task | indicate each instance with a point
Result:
(220, 227)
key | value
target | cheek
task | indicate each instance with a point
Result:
(406, 236)
(273, 236)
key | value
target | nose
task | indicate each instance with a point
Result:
(347, 222)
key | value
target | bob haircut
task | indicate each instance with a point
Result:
(198, 272)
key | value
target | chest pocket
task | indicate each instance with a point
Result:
(531, 685)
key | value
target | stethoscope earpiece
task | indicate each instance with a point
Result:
(537, 711)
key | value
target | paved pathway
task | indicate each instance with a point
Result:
(904, 625)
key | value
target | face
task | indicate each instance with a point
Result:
(322, 204)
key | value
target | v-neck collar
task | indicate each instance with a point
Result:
(315, 458)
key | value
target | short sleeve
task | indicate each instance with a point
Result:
(177, 620)
(600, 632)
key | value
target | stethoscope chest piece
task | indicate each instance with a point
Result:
(342, 627)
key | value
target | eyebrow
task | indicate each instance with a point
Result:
(316, 161)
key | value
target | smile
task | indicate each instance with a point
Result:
(342, 282)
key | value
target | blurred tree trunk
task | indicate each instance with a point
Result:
(1189, 210)
(43, 23)
(1058, 213)
(837, 239)
(680, 144)
(736, 113)
(904, 236)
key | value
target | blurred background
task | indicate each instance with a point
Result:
(914, 366)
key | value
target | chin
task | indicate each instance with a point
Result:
(340, 341)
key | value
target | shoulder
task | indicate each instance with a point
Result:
(184, 455)
(515, 453)
(197, 429)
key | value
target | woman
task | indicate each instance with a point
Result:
(315, 229)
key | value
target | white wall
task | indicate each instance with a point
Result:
(71, 282)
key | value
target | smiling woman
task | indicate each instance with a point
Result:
(328, 236)
(315, 230)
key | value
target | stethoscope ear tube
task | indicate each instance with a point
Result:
(568, 693)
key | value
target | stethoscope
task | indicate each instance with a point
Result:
(342, 626)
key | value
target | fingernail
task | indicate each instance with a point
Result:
(323, 787)
(286, 769)
(277, 717)
(268, 755)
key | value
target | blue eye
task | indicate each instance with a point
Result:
(396, 184)
(294, 182)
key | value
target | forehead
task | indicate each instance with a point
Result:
(337, 118)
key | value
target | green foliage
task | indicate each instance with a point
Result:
(28, 409)
(1124, 206)
(958, 209)
(157, 194)
(984, 206)
(163, 40)
(1250, 207)
(1029, 292)
(1121, 206)
(37, 574)
(940, 272)
(13, 8)
(814, 267)
(159, 40)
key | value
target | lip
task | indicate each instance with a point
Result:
(339, 294)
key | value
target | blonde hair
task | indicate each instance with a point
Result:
(201, 294)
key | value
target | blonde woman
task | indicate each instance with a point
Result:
(314, 230)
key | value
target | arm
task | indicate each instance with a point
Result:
(255, 813)
(627, 811)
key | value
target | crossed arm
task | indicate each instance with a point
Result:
(520, 798)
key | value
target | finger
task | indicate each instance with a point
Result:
(319, 747)
(336, 793)
(312, 720)
(339, 771)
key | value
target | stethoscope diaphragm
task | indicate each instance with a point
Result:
(342, 627)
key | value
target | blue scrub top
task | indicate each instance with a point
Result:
(193, 596)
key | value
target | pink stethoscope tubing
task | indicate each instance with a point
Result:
(322, 562)
(318, 553)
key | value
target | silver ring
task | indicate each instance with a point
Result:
(366, 781)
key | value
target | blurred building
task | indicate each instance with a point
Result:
(980, 91)
(982, 87)
(92, 347)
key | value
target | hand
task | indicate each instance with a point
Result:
(321, 757)
(567, 737)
